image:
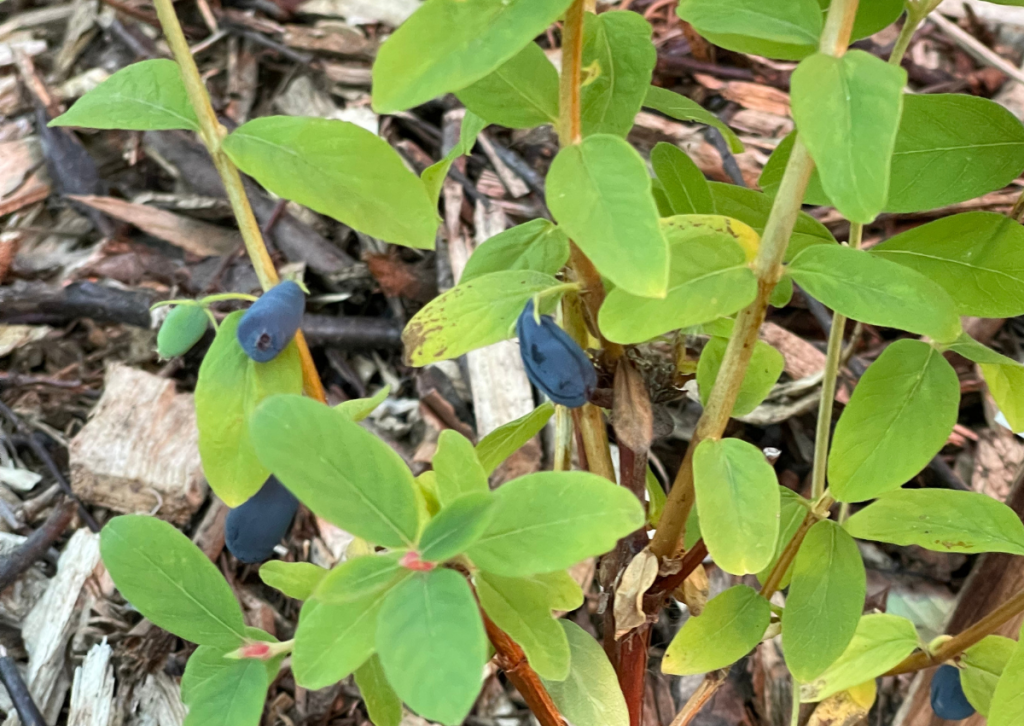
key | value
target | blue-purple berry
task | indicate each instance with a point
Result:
(253, 529)
(269, 325)
(554, 362)
(948, 699)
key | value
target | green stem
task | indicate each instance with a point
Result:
(917, 11)
(212, 133)
(794, 718)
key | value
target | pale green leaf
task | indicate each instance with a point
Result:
(826, 597)
(977, 257)
(294, 579)
(590, 695)
(338, 169)
(942, 520)
(879, 643)
(686, 189)
(847, 110)
(682, 108)
(731, 626)
(449, 44)
(600, 193)
(876, 291)
(170, 581)
(433, 176)
(432, 645)
(505, 440)
(793, 510)
(981, 666)
(618, 59)
(457, 526)
(898, 418)
(457, 469)
(738, 501)
(358, 409)
(471, 315)
(762, 373)
(229, 388)
(144, 96)
(360, 577)
(1006, 384)
(333, 640)
(972, 350)
(1007, 705)
(382, 703)
(709, 278)
(551, 520)
(338, 469)
(522, 609)
(787, 30)
(233, 696)
(561, 591)
(519, 94)
(537, 245)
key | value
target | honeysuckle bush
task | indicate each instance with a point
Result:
(637, 250)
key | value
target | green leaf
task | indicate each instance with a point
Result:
(898, 418)
(879, 643)
(522, 609)
(618, 59)
(1007, 707)
(471, 315)
(826, 597)
(787, 30)
(359, 408)
(981, 666)
(208, 663)
(551, 520)
(765, 367)
(972, 350)
(951, 148)
(232, 695)
(1006, 384)
(876, 291)
(506, 440)
(338, 169)
(359, 578)
(872, 16)
(738, 501)
(782, 294)
(793, 510)
(520, 94)
(941, 520)
(456, 466)
(590, 695)
(229, 388)
(382, 703)
(537, 245)
(709, 278)
(682, 108)
(170, 581)
(333, 640)
(457, 526)
(338, 469)
(294, 579)
(730, 627)
(977, 257)
(433, 176)
(449, 44)
(144, 96)
(771, 175)
(847, 110)
(600, 193)
(655, 498)
(561, 591)
(685, 187)
(752, 208)
(432, 645)
(183, 327)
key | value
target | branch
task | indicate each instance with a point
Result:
(20, 695)
(212, 134)
(36, 544)
(512, 660)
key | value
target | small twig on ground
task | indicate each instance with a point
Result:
(36, 545)
(20, 695)
(43, 455)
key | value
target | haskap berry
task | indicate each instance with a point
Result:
(253, 529)
(554, 362)
(272, 321)
(948, 699)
